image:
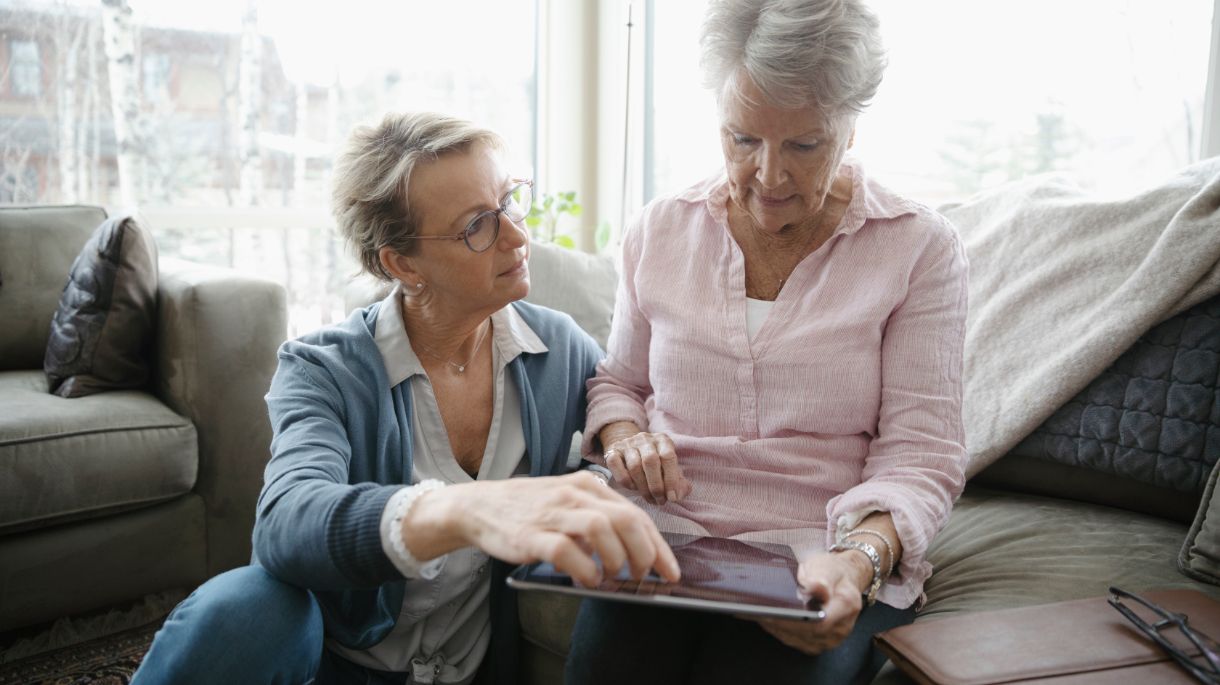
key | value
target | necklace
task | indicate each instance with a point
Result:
(461, 368)
(779, 282)
(767, 282)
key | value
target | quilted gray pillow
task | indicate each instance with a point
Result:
(1153, 416)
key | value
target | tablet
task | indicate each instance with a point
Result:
(718, 574)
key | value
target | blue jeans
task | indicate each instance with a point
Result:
(616, 642)
(245, 626)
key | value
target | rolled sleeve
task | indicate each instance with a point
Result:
(915, 466)
(621, 386)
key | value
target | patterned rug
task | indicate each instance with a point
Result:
(110, 660)
(102, 648)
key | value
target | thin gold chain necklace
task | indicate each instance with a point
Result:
(461, 368)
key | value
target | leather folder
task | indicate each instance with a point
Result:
(1067, 643)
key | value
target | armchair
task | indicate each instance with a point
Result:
(109, 497)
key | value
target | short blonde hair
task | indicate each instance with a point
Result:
(369, 196)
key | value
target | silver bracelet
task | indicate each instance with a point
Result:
(871, 552)
(603, 474)
(884, 540)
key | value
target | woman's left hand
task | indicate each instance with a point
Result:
(836, 581)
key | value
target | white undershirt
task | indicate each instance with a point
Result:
(756, 314)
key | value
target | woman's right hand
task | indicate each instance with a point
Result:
(644, 462)
(563, 520)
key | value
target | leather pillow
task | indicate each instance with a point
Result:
(101, 334)
(1200, 557)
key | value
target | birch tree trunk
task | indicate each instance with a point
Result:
(67, 110)
(300, 158)
(249, 92)
(120, 43)
(86, 126)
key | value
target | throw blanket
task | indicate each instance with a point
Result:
(1061, 284)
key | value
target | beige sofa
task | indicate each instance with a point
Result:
(1026, 531)
(110, 497)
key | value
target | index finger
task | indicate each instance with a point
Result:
(666, 563)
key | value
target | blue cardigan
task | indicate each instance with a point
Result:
(343, 446)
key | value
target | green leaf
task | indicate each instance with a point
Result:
(575, 210)
(602, 239)
(565, 241)
(533, 220)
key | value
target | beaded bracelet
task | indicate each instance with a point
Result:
(884, 540)
(427, 570)
(871, 552)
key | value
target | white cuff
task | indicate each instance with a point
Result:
(392, 544)
(850, 520)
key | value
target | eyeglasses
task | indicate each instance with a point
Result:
(484, 228)
(1208, 671)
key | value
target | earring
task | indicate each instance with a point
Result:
(416, 288)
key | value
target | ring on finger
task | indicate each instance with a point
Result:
(612, 452)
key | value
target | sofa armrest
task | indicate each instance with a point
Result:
(217, 336)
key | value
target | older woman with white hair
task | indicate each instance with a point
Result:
(785, 363)
(389, 505)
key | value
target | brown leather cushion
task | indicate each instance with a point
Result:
(101, 334)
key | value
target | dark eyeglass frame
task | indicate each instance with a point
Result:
(465, 233)
(1207, 647)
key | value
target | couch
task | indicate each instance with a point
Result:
(1026, 531)
(110, 497)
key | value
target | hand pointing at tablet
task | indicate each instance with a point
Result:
(560, 519)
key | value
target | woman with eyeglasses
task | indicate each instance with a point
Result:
(389, 506)
(785, 362)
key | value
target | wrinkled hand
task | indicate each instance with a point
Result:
(835, 581)
(647, 463)
(564, 520)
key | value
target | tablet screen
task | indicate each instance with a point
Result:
(718, 574)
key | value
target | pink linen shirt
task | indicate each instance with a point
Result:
(847, 401)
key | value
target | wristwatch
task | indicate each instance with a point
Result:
(874, 587)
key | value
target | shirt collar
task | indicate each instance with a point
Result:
(511, 335)
(869, 199)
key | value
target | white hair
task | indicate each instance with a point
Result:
(822, 53)
(369, 193)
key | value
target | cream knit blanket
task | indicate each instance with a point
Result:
(1061, 284)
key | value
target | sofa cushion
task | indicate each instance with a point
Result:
(1200, 555)
(547, 619)
(101, 333)
(67, 459)
(578, 284)
(1153, 416)
(1004, 550)
(37, 246)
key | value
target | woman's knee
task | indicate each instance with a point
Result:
(249, 602)
(242, 623)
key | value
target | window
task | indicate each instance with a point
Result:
(26, 68)
(156, 77)
(977, 94)
(240, 176)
